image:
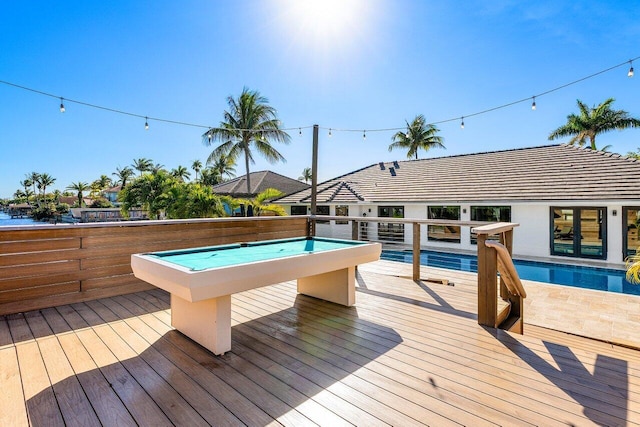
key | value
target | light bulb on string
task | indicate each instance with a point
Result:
(329, 132)
(533, 104)
(62, 109)
(462, 122)
(146, 123)
(364, 135)
(299, 131)
(630, 73)
(210, 135)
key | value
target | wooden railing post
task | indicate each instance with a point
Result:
(416, 251)
(487, 284)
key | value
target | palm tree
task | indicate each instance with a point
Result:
(123, 175)
(261, 205)
(210, 177)
(249, 122)
(103, 182)
(44, 181)
(593, 121)
(419, 135)
(142, 164)
(197, 167)
(181, 173)
(223, 165)
(79, 187)
(33, 179)
(156, 168)
(306, 175)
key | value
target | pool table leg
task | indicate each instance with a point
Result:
(207, 322)
(336, 286)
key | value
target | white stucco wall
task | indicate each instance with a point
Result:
(531, 237)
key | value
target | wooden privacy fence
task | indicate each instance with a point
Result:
(49, 265)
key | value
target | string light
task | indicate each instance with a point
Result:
(364, 135)
(146, 123)
(209, 135)
(329, 132)
(299, 131)
(533, 104)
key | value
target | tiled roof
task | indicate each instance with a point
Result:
(260, 181)
(552, 172)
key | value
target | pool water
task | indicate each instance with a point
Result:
(601, 279)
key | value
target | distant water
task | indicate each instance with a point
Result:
(5, 219)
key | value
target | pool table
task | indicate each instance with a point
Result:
(201, 280)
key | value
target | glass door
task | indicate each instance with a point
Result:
(579, 232)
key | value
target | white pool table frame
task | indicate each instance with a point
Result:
(201, 300)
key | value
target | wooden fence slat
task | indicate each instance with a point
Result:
(46, 266)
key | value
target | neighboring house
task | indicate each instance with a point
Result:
(19, 210)
(569, 201)
(260, 181)
(101, 215)
(111, 194)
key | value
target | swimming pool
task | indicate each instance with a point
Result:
(601, 279)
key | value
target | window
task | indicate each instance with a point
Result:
(342, 210)
(389, 231)
(298, 210)
(579, 232)
(322, 210)
(444, 233)
(491, 214)
(630, 224)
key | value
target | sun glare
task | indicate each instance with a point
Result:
(327, 22)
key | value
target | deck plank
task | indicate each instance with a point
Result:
(42, 406)
(13, 411)
(124, 384)
(408, 353)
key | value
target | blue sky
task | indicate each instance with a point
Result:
(350, 64)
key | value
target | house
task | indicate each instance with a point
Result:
(111, 194)
(101, 215)
(260, 181)
(569, 201)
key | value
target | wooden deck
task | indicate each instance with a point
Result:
(409, 353)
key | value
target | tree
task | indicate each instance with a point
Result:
(306, 175)
(197, 167)
(79, 187)
(261, 203)
(223, 165)
(103, 182)
(419, 135)
(151, 191)
(181, 173)
(33, 179)
(44, 180)
(193, 200)
(142, 165)
(123, 175)
(634, 154)
(210, 177)
(591, 122)
(249, 123)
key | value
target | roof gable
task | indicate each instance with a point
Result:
(260, 181)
